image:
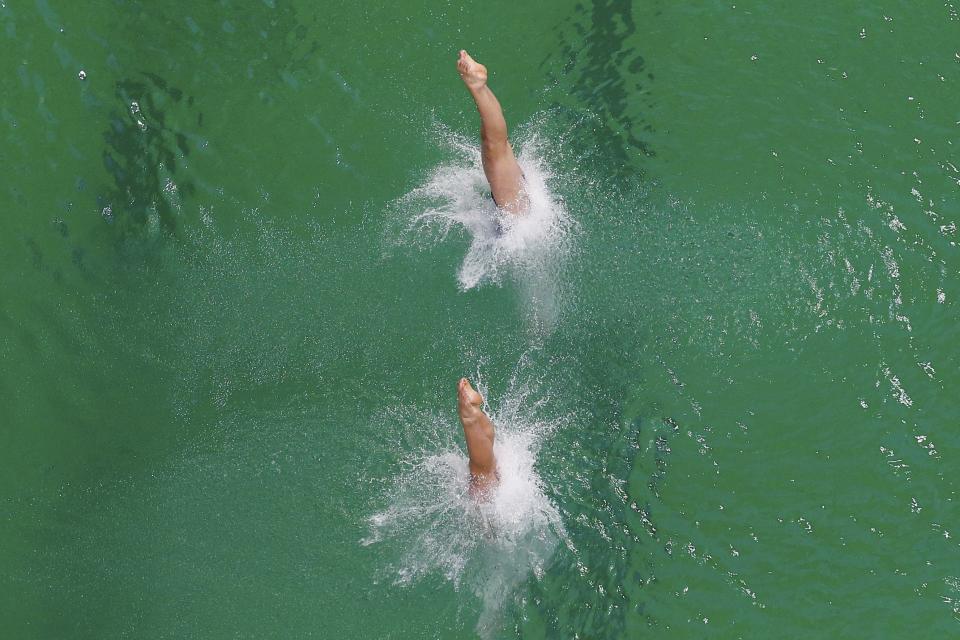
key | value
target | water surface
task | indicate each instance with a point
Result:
(246, 256)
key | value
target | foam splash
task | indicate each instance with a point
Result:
(529, 249)
(487, 547)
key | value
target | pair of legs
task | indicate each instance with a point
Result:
(479, 433)
(499, 164)
(506, 184)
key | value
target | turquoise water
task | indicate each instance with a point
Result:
(247, 255)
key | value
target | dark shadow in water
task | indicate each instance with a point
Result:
(142, 155)
(152, 122)
(605, 476)
(602, 74)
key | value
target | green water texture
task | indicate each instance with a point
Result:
(213, 340)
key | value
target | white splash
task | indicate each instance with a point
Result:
(529, 248)
(436, 528)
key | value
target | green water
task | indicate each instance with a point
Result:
(224, 352)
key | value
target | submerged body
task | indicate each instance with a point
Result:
(479, 434)
(499, 164)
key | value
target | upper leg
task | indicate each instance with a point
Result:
(503, 172)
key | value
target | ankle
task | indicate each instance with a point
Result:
(469, 412)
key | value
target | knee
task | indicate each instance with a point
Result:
(494, 147)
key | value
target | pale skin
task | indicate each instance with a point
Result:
(479, 433)
(499, 164)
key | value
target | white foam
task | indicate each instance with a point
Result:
(488, 547)
(529, 248)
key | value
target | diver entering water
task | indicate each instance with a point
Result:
(479, 433)
(499, 164)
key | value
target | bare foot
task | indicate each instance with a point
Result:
(469, 400)
(479, 433)
(473, 73)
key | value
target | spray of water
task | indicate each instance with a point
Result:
(529, 249)
(488, 547)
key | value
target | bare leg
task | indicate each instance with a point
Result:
(499, 164)
(479, 433)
